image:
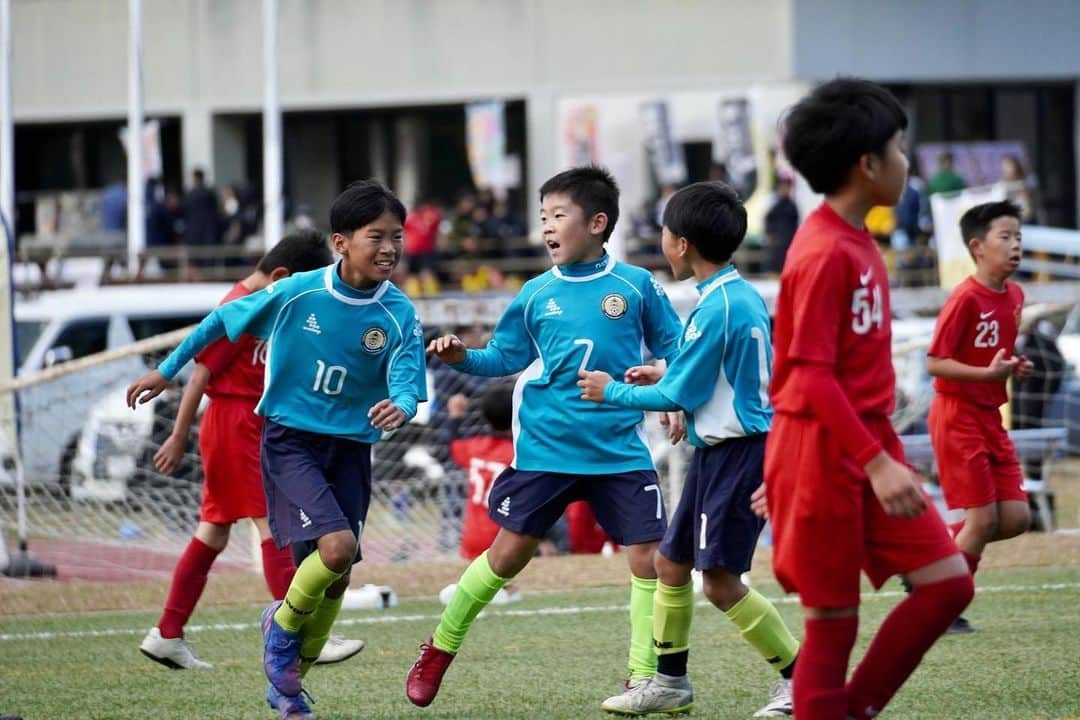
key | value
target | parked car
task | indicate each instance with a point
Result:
(58, 327)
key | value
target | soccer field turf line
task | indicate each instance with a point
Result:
(488, 613)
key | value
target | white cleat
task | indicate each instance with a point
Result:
(671, 696)
(502, 597)
(338, 649)
(173, 653)
(781, 702)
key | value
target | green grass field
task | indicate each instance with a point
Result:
(555, 655)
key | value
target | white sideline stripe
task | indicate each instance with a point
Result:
(538, 612)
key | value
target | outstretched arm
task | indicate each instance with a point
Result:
(167, 458)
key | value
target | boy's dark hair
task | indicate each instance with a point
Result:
(592, 188)
(497, 406)
(710, 216)
(975, 223)
(361, 203)
(299, 251)
(827, 131)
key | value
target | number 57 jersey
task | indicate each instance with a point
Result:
(596, 316)
(333, 352)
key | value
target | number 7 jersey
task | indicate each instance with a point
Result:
(596, 316)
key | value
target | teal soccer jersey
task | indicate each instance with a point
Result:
(596, 316)
(333, 351)
(721, 374)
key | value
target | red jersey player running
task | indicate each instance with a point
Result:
(839, 492)
(231, 375)
(971, 359)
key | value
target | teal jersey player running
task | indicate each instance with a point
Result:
(590, 315)
(721, 376)
(339, 338)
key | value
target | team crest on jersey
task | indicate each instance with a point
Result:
(613, 305)
(374, 340)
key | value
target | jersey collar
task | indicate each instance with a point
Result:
(350, 295)
(724, 275)
(592, 269)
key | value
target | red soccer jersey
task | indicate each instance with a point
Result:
(833, 309)
(975, 323)
(484, 457)
(237, 368)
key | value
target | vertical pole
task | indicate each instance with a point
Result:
(136, 180)
(272, 205)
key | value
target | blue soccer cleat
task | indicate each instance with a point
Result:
(281, 653)
(291, 708)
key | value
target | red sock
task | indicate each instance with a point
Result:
(972, 561)
(899, 645)
(278, 568)
(822, 668)
(188, 581)
(955, 528)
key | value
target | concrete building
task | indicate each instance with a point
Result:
(378, 87)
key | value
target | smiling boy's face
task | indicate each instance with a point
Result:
(569, 236)
(372, 251)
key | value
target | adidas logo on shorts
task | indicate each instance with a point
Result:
(504, 507)
(305, 521)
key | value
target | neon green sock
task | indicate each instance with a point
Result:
(763, 628)
(476, 588)
(673, 611)
(642, 660)
(305, 593)
(317, 630)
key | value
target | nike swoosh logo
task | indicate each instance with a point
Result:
(865, 277)
(983, 316)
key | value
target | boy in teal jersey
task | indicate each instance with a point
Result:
(587, 311)
(720, 379)
(345, 363)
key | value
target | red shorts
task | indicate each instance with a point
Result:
(477, 534)
(827, 522)
(229, 439)
(976, 460)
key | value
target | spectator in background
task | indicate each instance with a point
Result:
(914, 226)
(201, 217)
(1020, 188)
(781, 222)
(946, 179)
(422, 235)
(114, 208)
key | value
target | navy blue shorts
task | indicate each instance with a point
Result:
(713, 526)
(315, 485)
(629, 506)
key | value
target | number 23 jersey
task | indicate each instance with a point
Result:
(974, 325)
(595, 316)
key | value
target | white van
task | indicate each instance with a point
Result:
(64, 325)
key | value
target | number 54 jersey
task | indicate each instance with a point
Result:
(596, 316)
(333, 351)
(833, 310)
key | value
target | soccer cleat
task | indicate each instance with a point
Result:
(670, 696)
(291, 708)
(960, 626)
(502, 597)
(781, 702)
(426, 674)
(174, 653)
(281, 653)
(338, 649)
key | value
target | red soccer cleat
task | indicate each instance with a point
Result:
(423, 680)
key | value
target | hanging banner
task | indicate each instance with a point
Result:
(151, 148)
(954, 260)
(665, 153)
(485, 144)
(579, 136)
(733, 144)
